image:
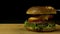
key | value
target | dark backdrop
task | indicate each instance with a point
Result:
(14, 11)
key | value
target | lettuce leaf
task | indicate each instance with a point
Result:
(40, 26)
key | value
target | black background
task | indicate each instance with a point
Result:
(14, 11)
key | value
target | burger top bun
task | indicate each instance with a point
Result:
(41, 10)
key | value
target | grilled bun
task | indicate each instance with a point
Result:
(41, 10)
(44, 30)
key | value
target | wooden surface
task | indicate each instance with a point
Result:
(19, 29)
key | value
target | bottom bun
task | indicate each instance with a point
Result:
(44, 30)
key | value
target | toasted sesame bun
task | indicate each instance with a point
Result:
(41, 10)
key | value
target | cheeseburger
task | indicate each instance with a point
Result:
(40, 19)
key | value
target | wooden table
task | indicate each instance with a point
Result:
(19, 29)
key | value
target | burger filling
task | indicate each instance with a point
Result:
(40, 24)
